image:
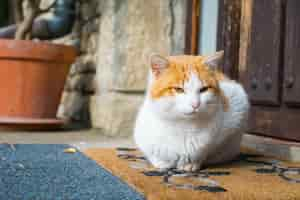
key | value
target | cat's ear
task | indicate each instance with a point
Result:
(214, 61)
(158, 64)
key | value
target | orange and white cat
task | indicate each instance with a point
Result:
(192, 113)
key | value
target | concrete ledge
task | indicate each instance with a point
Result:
(280, 149)
(115, 113)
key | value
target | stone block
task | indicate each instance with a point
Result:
(129, 32)
(115, 113)
(89, 8)
(89, 37)
(74, 106)
(83, 83)
(83, 64)
(116, 47)
(92, 44)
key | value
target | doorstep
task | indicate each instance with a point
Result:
(281, 149)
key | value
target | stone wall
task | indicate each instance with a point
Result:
(106, 84)
(129, 31)
(80, 83)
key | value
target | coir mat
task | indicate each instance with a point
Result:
(249, 177)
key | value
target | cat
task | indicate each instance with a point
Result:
(192, 113)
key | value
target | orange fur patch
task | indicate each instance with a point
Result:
(178, 72)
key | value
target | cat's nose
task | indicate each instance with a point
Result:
(195, 104)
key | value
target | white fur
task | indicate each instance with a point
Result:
(172, 134)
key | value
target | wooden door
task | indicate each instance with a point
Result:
(270, 66)
(261, 39)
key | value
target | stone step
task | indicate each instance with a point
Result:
(267, 146)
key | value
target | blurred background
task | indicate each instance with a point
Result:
(105, 85)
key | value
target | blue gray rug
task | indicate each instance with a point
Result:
(42, 172)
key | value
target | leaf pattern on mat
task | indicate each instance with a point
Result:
(202, 180)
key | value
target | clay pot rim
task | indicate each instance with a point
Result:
(31, 124)
(29, 120)
(37, 50)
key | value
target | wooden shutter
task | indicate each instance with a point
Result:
(291, 84)
(263, 59)
(270, 66)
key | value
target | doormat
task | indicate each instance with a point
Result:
(49, 172)
(250, 177)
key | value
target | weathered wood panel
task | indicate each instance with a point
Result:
(245, 27)
(192, 24)
(291, 86)
(279, 123)
(270, 46)
(229, 35)
(263, 54)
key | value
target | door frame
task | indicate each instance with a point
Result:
(229, 14)
(192, 27)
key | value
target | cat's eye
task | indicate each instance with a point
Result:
(204, 89)
(179, 89)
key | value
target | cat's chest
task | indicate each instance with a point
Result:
(186, 139)
(177, 130)
(156, 129)
(184, 129)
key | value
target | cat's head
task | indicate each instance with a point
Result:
(185, 87)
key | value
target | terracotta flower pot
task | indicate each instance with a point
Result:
(32, 77)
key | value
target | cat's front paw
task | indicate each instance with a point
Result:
(189, 167)
(160, 164)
